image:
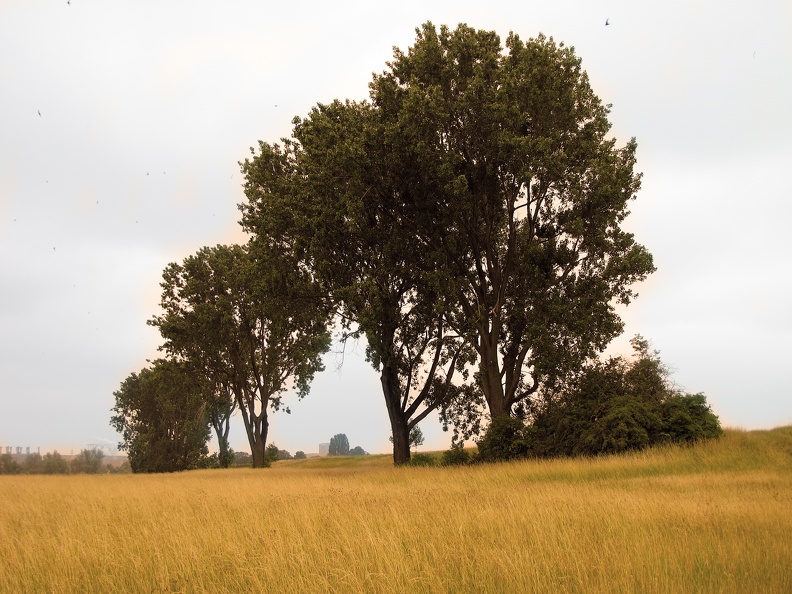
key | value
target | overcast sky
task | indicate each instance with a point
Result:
(122, 124)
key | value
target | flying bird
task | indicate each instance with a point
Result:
(607, 22)
(39, 112)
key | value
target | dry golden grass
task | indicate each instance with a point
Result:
(713, 518)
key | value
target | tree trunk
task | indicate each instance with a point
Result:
(491, 384)
(221, 424)
(257, 436)
(399, 423)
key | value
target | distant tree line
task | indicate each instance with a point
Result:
(466, 221)
(88, 461)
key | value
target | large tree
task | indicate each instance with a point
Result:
(326, 193)
(252, 320)
(161, 414)
(508, 178)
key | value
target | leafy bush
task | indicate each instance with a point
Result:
(628, 424)
(87, 462)
(242, 459)
(507, 438)
(271, 454)
(422, 459)
(456, 456)
(358, 451)
(619, 405)
(53, 463)
(8, 465)
(299, 455)
(688, 418)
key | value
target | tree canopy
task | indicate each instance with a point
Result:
(161, 414)
(469, 213)
(327, 194)
(509, 180)
(339, 445)
(251, 319)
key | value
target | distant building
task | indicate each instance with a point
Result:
(324, 448)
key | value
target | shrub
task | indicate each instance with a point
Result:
(507, 438)
(456, 456)
(55, 464)
(422, 459)
(618, 405)
(628, 424)
(8, 465)
(242, 459)
(299, 455)
(688, 418)
(87, 462)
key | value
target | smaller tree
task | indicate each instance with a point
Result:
(161, 414)
(34, 464)
(358, 451)
(339, 445)
(242, 459)
(53, 463)
(87, 462)
(271, 454)
(8, 465)
(300, 455)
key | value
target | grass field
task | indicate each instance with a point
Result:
(716, 517)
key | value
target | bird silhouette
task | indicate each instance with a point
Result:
(607, 22)
(39, 112)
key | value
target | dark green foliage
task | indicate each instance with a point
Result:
(358, 451)
(299, 455)
(330, 195)
(254, 324)
(422, 459)
(34, 464)
(161, 414)
(339, 445)
(510, 182)
(87, 462)
(456, 456)
(242, 459)
(507, 438)
(688, 417)
(620, 405)
(8, 465)
(271, 454)
(53, 463)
